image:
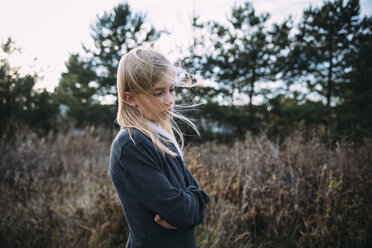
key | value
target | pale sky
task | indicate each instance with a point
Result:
(50, 30)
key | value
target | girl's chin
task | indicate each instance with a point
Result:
(164, 116)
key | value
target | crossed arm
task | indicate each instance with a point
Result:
(176, 208)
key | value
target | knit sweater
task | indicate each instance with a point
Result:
(150, 182)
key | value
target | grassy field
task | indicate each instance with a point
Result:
(55, 192)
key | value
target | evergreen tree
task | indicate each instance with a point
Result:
(355, 113)
(91, 78)
(237, 55)
(114, 34)
(77, 90)
(19, 102)
(194, 61)
(324, 43)
(242, 52)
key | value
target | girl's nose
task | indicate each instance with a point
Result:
(169, 98)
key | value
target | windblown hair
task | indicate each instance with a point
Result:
(138, 72)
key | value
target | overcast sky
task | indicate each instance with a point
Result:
(50, 30)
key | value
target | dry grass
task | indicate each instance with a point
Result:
(55, 192)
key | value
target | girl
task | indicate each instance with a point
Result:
(162, 201)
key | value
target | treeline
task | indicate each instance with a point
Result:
(315, 74)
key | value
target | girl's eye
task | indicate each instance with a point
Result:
(159, 93)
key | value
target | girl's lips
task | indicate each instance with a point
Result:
(169, 111)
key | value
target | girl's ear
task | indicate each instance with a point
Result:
(130, 99)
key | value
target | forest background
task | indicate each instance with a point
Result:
(252, 76)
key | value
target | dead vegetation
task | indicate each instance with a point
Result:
(56, 192)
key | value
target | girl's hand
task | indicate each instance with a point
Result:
(163, 222)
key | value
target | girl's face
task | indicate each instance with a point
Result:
(162, 106)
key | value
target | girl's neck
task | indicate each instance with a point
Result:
(156, 127)
(165, 125)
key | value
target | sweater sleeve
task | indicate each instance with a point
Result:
(182, 208)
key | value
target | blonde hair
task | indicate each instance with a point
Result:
(138, 72)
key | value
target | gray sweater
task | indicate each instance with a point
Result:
(150, 182)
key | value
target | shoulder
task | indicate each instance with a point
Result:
(132, 147)
(131, 137)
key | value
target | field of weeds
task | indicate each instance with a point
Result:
(55, 191)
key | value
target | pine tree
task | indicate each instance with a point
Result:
(20, 103)
(242, 53)
(324, 43)
(77, 90)
(114, 34)
(90, 78)
(355, 113)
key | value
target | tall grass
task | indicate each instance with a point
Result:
(55, 192)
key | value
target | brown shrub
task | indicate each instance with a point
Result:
(56, 192)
